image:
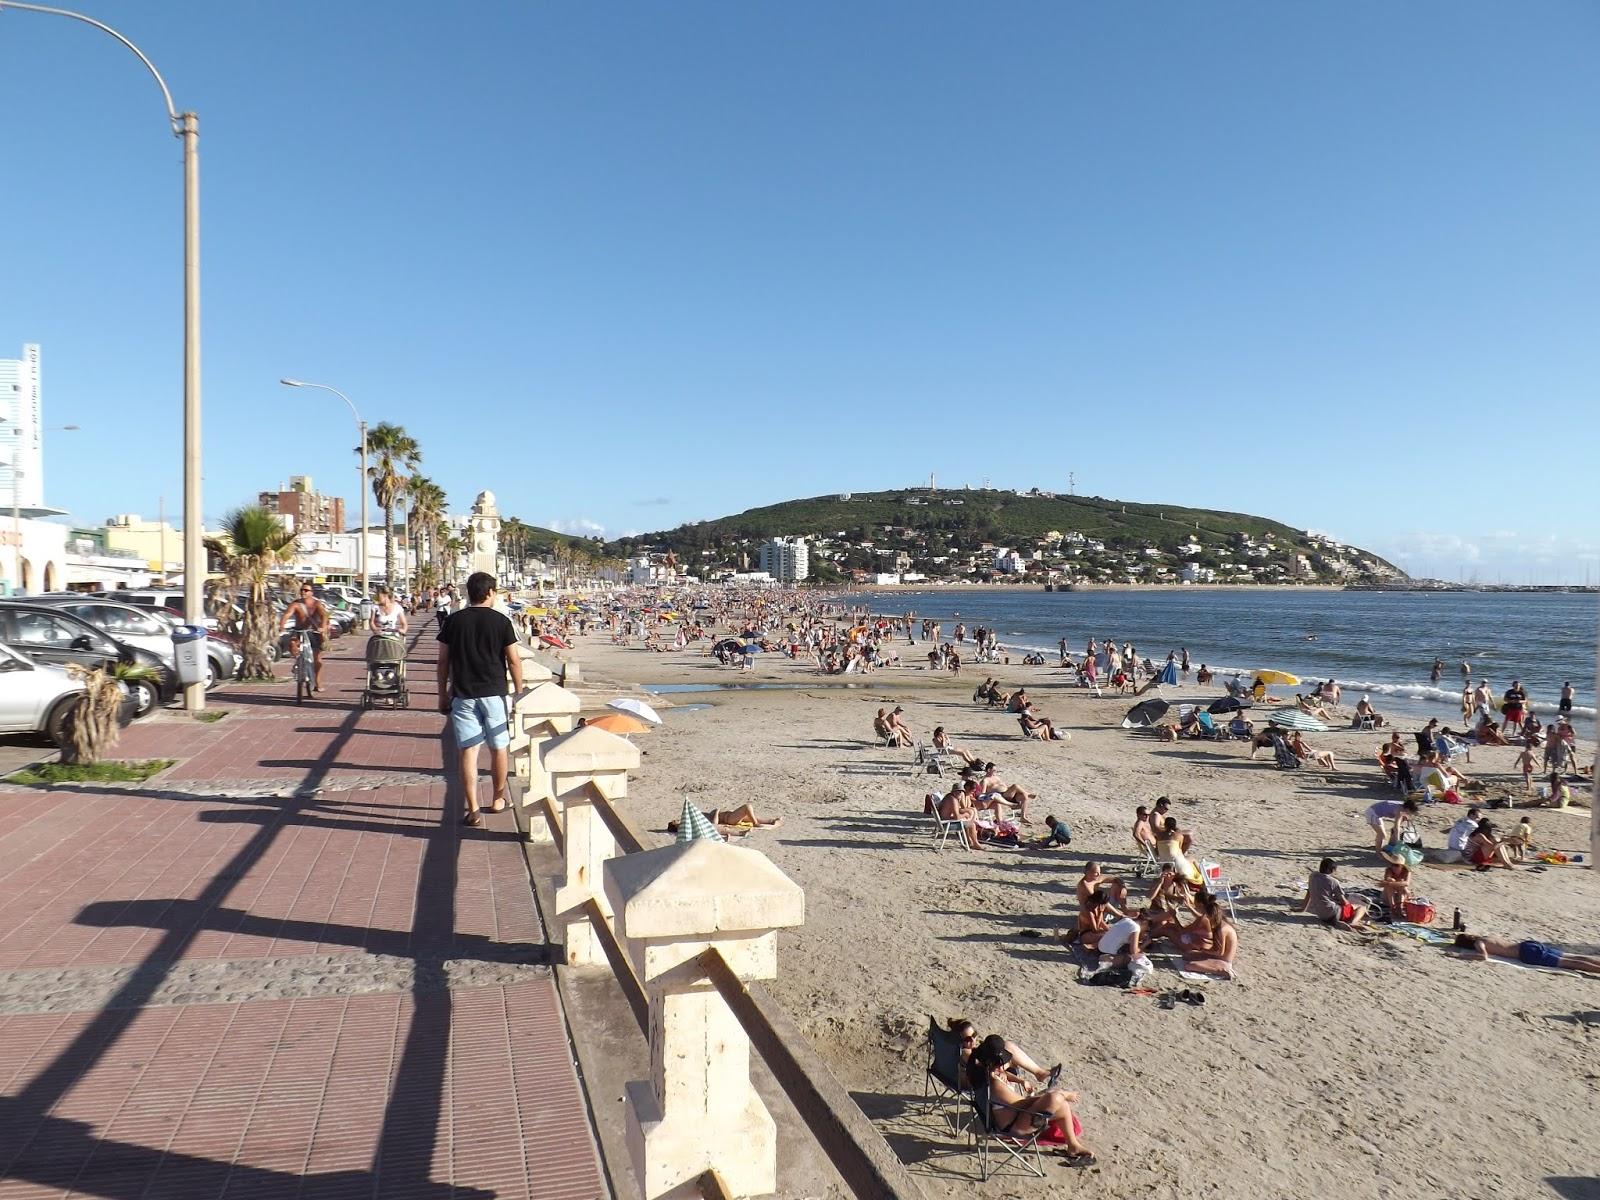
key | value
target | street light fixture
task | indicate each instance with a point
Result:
(366, 573)
(185, 127)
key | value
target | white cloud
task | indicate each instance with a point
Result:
(1491, 556)
(577, 527)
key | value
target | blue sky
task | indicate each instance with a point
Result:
(1332, 263)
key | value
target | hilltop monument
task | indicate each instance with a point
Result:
(484, 527)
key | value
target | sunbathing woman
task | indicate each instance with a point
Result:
(733, 822)
(1298, 747)
(1396, 889)
(1092, 922)
(1038, 727)
(1020, 1062)
(941, 743)
(1313, 710)
(1216, 956)
(1530, 953)
(1014, 1112)
(1488, 733)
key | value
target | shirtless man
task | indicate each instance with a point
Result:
(992, 785)
(307, 617)
(955, 808)
(1095, 880)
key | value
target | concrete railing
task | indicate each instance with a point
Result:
(690, 933)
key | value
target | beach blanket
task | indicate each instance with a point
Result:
(1196, 977)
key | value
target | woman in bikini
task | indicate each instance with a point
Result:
(941, 743)
(1216, 956)
(1014, 1112)
(1092, 921)
(1021, 1062)
(733, 821)
(1484, 850)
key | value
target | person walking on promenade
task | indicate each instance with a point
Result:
(477, 649)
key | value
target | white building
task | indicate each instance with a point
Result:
(21, 439)
(788, 560)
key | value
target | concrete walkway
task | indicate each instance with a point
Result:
(280, 969)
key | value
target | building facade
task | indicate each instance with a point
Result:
(306, 509)
(21, 438)
(787, 560)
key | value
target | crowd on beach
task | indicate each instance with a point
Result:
(1171, 903)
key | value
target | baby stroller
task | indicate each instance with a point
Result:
(386, 672)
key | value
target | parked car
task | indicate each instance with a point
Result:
(149, 629)
(38, 698)
(46, 634)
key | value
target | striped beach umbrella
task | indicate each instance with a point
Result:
(693, 826)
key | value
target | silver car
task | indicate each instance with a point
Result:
(38, 697)
(148, 628)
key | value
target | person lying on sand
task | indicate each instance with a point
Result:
(1325, 900)
(734, 822)
(942, 744)
(1529, 953)
(1015, 1112)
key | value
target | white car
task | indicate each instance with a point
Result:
(38, 697)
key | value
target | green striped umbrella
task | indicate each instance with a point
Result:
(693, 826)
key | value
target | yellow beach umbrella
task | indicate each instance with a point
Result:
(1282, 677)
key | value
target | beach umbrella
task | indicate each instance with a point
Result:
(693, 826)
(638, 708)
(1282, 677)
(752, 648)
(1293, 718)
(553, 639)
(1169, 675)
(620, 723)
(1146, 712)
(1226, 704)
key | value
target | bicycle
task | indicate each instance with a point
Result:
(304, 665)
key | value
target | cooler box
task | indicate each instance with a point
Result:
(189, 653)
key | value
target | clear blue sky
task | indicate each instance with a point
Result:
(629, 265)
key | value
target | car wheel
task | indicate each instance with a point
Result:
(145, 697)
(211, 674)
(58, 726)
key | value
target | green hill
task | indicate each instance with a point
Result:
(966, 518)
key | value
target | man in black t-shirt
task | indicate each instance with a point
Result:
(477, 650)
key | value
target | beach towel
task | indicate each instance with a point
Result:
(1197, 977)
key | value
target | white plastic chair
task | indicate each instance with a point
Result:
(1217, 883)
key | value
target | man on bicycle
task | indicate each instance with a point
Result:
(308, 615)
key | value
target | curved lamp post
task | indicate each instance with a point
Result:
(186, 127)
(366, 573)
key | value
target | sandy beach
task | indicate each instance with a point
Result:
(1365, 1066)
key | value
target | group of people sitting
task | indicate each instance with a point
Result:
(1177, 908)
(891, 728)
(1034, 723)
(984, 804)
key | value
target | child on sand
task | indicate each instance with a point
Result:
(1525, 765)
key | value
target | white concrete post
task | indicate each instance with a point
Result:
(698, 1110)
(577, 762)
(543, 712)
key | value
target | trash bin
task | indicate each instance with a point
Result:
(189, 653)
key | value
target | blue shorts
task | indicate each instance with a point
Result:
(478, 719)
(1539, 954)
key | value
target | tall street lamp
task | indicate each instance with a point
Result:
(186, 127)
(366, 573)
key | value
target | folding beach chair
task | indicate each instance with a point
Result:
(945, 1086)
(1282, 755)
(1217, 884)
(943, 829)
(1023, 1148)
(1145, 863)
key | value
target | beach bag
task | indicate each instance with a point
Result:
(1419, 910)
(1409, 855)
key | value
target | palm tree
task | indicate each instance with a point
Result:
(393, 454)
(427, 506)
(253, 545)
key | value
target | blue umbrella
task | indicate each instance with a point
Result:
(752, 648)
(1169, 675)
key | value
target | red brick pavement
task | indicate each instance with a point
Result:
(334, 1076)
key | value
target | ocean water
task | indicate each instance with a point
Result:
(1380, 643)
